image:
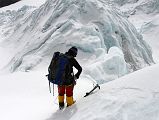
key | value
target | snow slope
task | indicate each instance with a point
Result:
(132, 97)
(150, 32)
(25, 96)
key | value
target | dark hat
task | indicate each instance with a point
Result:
(73, 51)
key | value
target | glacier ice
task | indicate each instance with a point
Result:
(136, 6)
(109, 45)
(106, 67)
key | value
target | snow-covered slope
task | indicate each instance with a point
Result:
(150, 32)
(132, 97)
(109, 43)
(133, 6)
(9, 18)
(144, 14)
(12, 14)
(25, 96)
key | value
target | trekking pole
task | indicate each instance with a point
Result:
(49, 87)
(49, 84)
(53, 89)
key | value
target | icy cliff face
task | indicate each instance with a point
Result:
(146, 6)
(11, 18)
(144, 15)
(104, 37)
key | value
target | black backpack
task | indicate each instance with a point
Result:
(59, 69)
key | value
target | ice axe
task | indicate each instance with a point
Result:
(95, 87)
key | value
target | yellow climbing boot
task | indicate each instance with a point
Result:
(61, 101)
(69, 101)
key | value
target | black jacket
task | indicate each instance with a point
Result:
(73, 63)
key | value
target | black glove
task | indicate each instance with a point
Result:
(76, 77)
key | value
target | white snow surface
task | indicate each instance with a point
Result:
(25, 95)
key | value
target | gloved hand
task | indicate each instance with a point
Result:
(76, 77)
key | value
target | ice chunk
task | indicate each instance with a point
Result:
(108, 66)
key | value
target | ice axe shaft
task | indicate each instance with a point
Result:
(95, 87)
